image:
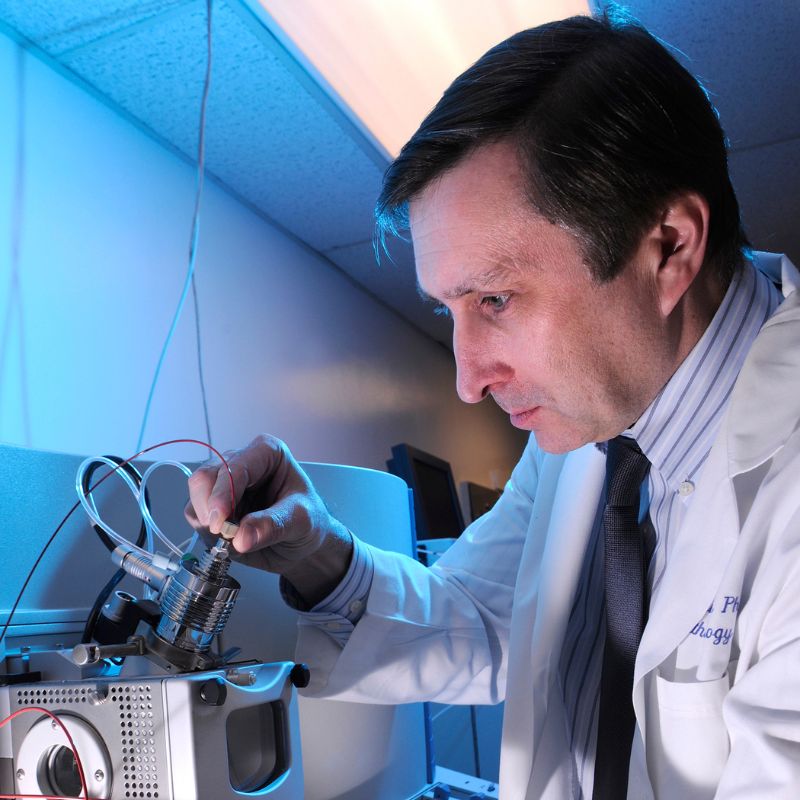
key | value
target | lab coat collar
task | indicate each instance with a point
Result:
(758, 419)
(778, 268)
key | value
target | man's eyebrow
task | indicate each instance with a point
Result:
(474, 284)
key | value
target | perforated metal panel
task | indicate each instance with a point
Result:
(128, 717)
(49, 697)
(140, 765)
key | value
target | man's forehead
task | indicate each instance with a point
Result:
(486, 175)
(466, 213)
(454, 255)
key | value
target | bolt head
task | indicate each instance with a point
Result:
(53, 724)
(99, 775)
(20, 774)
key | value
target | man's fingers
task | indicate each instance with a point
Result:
(221, 505)
(266, 465)
(210, 501)
(286, 522)
(201, 484)
(191, 516)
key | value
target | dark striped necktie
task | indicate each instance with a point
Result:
(626, 614)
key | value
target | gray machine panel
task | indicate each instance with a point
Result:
(350, 751)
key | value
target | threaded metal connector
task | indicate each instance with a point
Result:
(139, 566)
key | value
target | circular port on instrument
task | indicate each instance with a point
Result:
(58, 772)
(46, 764)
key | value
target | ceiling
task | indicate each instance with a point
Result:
(281, 139)
(362, 48)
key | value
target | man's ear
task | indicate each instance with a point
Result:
(680, 237)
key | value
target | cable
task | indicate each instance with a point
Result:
(78, 503)
(87, 501)
(78, 763)
(102, 598)
(138, 486)
(19, 796)
(473, 716)
(116, 578)
(36, 564)
(201, 156)
(145, 510)
(86, 483)
(200, 376)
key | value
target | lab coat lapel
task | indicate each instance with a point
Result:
(697, 564)
(560, 525)
(574, 508)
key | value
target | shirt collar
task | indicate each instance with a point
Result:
(678, 428)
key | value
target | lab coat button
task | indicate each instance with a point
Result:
(333, 626)
(686, 488)
(356, 606)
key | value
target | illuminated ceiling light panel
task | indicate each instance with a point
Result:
(390, 60)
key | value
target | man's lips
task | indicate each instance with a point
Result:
(521, 419)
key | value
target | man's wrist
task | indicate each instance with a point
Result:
(341, 610)
(316, 576)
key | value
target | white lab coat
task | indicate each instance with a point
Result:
(717, 681)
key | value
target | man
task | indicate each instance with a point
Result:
(570, 206)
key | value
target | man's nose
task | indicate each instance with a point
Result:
(477, 369)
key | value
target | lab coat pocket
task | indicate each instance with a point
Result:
(691, 742)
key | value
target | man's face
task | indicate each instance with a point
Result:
(570, 359)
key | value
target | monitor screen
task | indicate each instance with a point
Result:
(436, 508)
(436, 498)
(481, 499)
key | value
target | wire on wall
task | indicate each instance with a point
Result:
(200, 376)
(14, 300)
(193, 241)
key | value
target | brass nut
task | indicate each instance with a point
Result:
(229, 530)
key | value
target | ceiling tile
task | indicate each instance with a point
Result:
(57, 27)
(393, 281)
(267, 137)
(746, 54)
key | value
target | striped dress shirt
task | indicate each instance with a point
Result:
(675, 433)
(338, 613)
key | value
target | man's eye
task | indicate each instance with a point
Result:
(495, 302)
(441, 310)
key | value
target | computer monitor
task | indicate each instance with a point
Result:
(481, 499)
(436, 507)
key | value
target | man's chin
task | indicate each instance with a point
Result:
(554, 448)
(554, 433)
(557, 441)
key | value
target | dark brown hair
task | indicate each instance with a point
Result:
(609, 126)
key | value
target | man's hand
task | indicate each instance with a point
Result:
(284, 526)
